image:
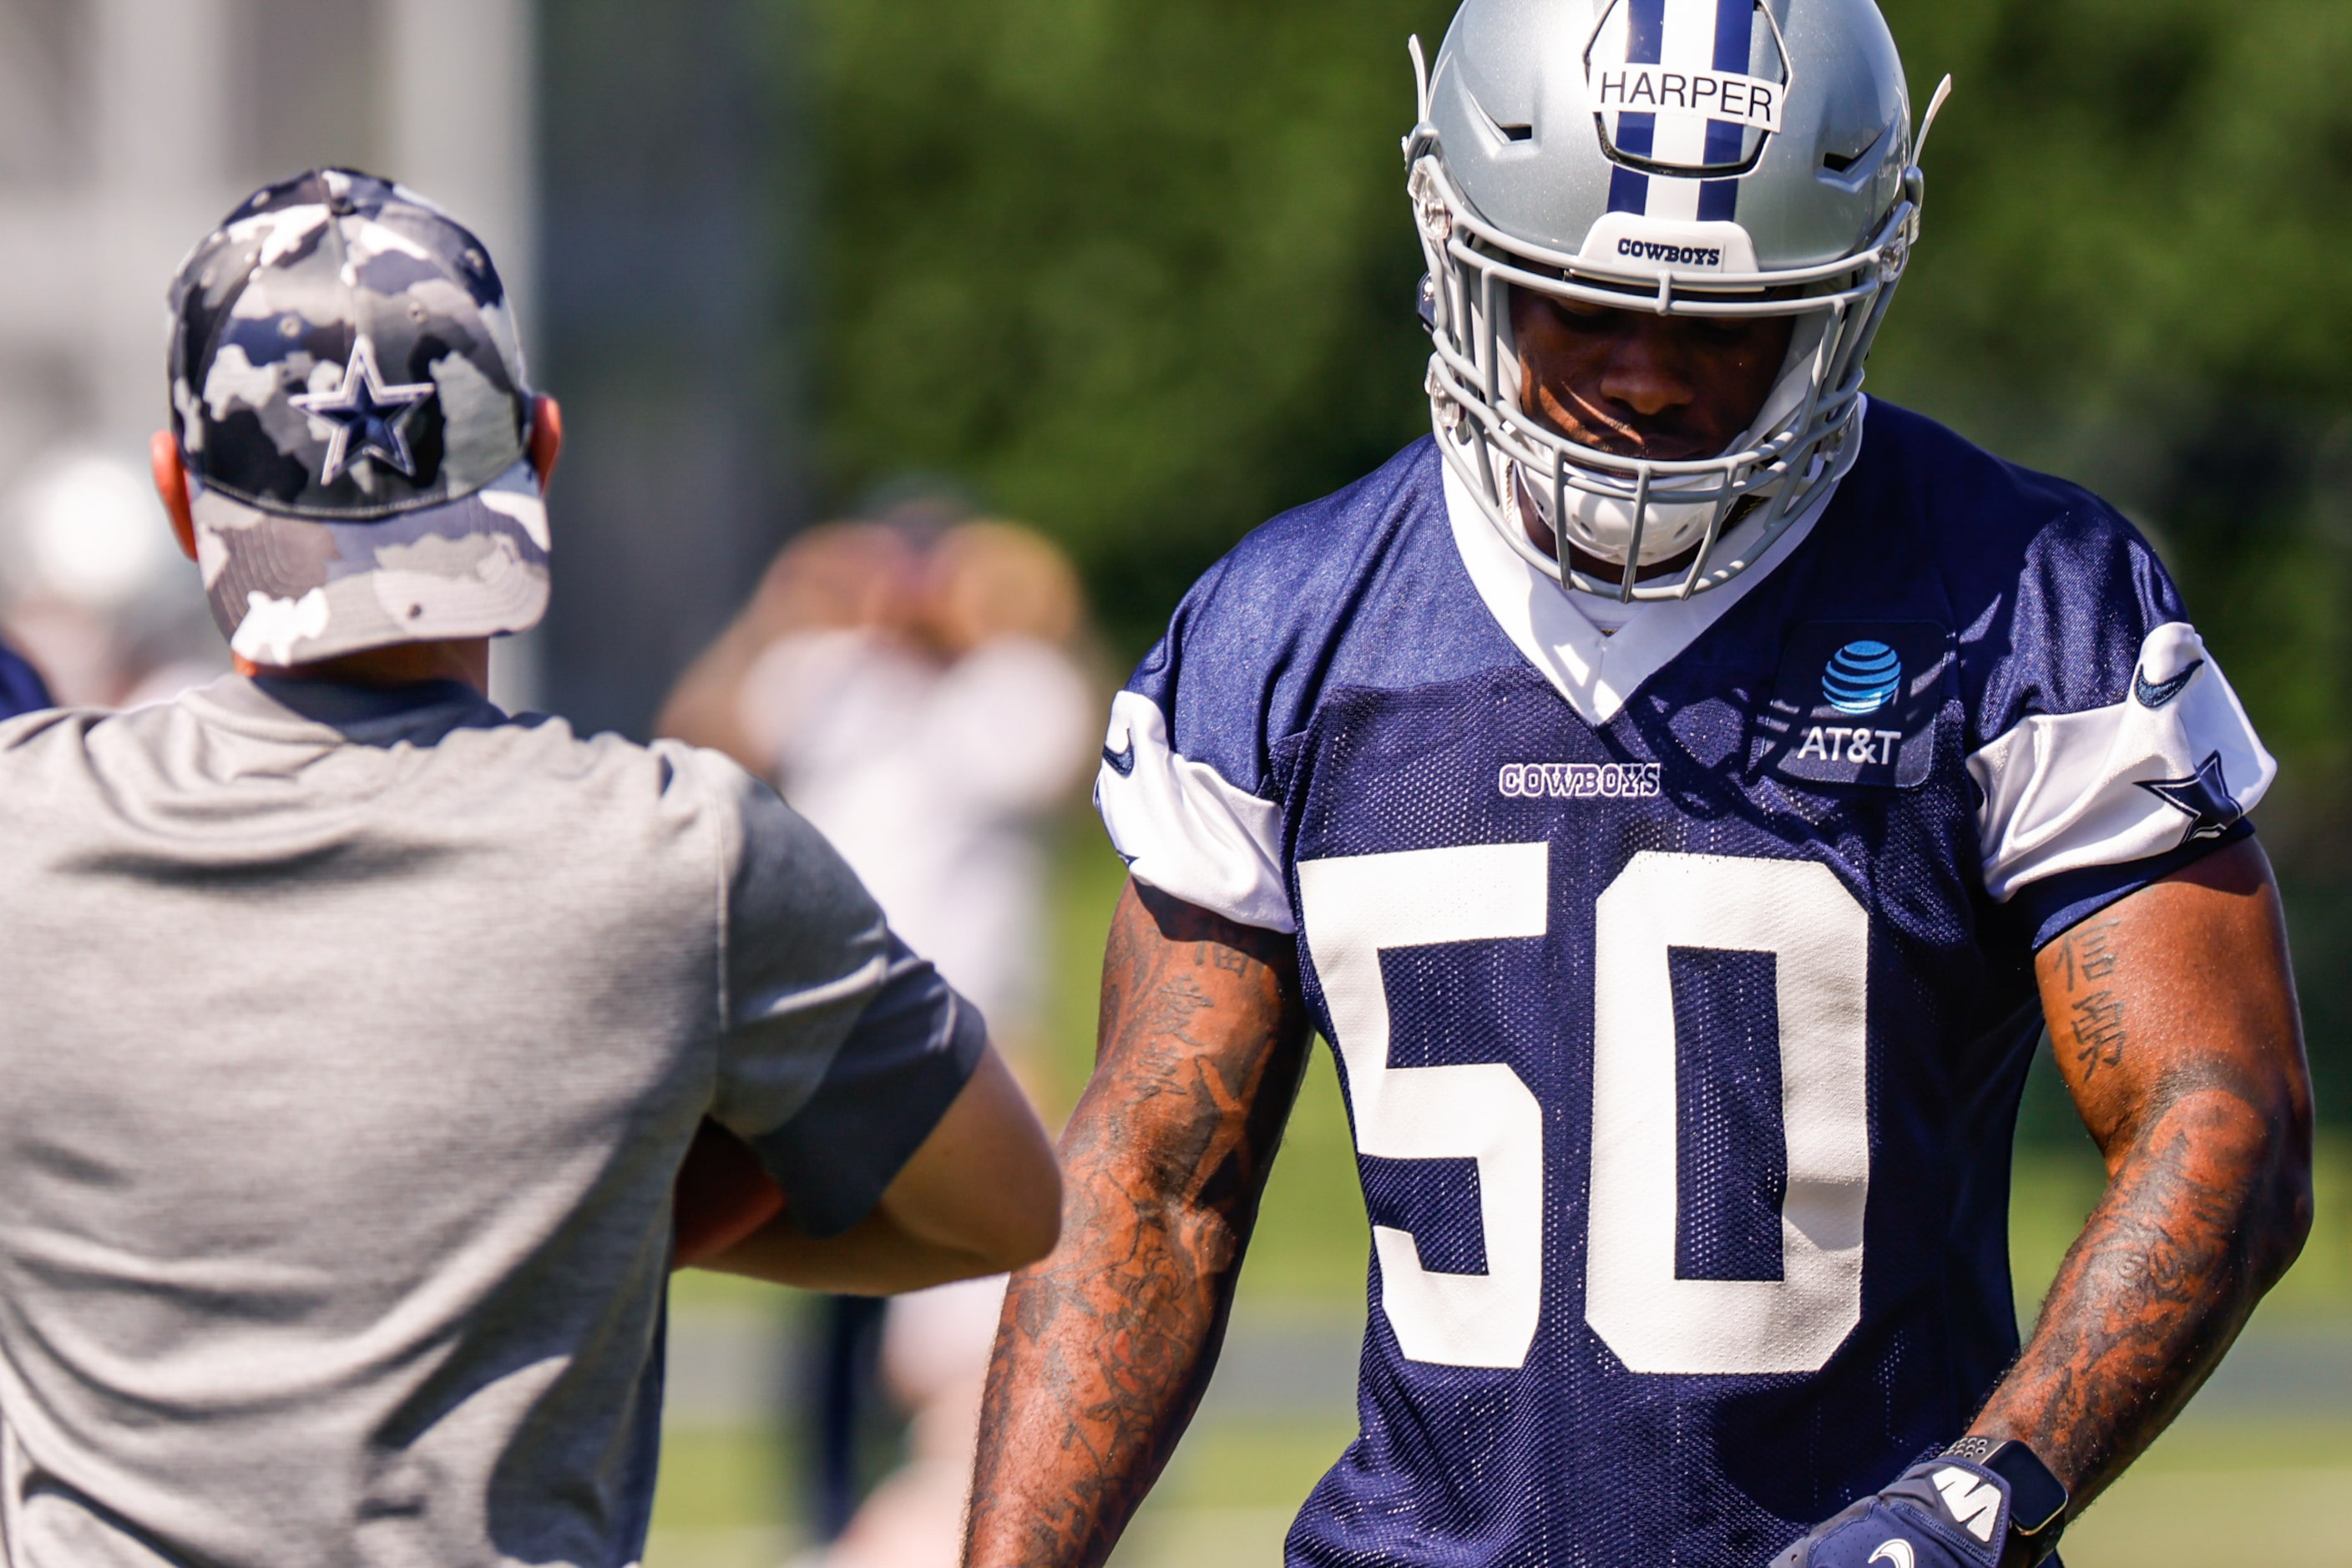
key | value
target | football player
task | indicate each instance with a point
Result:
(1682, 791)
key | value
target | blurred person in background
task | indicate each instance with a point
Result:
(92, 590)
(914, 687)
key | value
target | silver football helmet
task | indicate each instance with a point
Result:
(1692, 157)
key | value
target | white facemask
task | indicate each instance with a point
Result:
(1600, 521)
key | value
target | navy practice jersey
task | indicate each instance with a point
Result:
(1681, 977)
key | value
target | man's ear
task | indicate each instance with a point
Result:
(172, 485)
(546, 439)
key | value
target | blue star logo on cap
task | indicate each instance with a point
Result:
(2203, 797)
(370, 418)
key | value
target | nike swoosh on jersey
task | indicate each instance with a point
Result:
(2159, 693)
(1121, 763)
(1895, 1551)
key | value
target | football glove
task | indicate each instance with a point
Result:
(1942, 1513)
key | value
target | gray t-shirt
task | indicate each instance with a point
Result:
(351, 1044)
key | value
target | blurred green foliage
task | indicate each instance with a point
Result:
(2136, 203)
(1138, 271)
(1141, 272)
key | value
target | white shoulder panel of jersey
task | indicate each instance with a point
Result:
(1183, 829)
(2176, 760)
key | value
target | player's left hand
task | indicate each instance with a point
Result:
(1943, 1513)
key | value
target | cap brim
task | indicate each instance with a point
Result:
(291, 589)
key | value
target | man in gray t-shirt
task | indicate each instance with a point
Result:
(356, 1031)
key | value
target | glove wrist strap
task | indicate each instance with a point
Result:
(2037, 1498)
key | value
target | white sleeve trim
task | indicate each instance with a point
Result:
(1183, 829)
(2064, 791)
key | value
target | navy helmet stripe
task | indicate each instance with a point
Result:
(1646, 44)
(1628, 192)
(1735, 29)
(1637, 134)
(1646, 40)
(1735, 36)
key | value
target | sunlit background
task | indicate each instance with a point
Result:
(1140, 274)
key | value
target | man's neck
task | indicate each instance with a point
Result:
(402, 664)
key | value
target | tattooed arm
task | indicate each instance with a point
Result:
(1106, 1346)
(2174, 1017)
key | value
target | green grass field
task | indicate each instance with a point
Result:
(2259, 1471)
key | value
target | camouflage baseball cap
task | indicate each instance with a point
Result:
(349, 393)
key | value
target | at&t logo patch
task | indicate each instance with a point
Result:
(1856, 702)
(1581, 781)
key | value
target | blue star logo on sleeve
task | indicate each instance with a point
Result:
(2203, 797)
(370, 418)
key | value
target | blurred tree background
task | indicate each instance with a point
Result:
(1140, 273)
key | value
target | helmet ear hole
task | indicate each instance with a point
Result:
(1854, 170)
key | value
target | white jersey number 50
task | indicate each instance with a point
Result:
(1819, 936)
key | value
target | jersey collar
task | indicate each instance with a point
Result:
(331, 709)
(1596, 671)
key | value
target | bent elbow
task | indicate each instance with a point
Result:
(1032, 1224)
(2285, 1221)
